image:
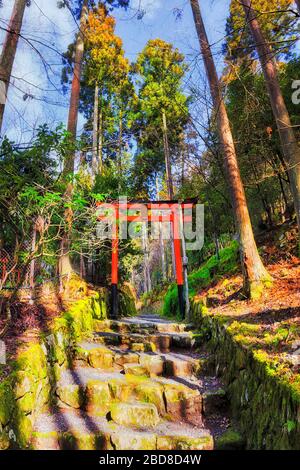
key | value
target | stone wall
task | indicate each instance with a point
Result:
(266, 406)
(36, 369)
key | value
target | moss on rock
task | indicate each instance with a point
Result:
(134, 414)
(230, 440)
(7, 402)
(136, 369)
(101, 358)
(133, 441)
(22, 427)
(184, 443)
(83, 441)
(4, 440)
(71, 395)
(264, 395)
(33, 360)
(151, 392)
(97, 397)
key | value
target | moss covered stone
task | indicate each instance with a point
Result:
(120, 389)
(151, 392)
(264, 396)
(128, 388)
(133, 441)
(22, 427)
(230, 440)
(33, 360)
(4, 441)
(126, 358)
(138, 347)
(45, 440)
(136, 369)
(176, 367)
(135, 414)
(43, 396)
(97, 397)
(101, 358)
(7, 402)
(176, 392)
(183, 403)
(153, 363)
(71, 395)
(26, 403)
(127, 301)
(83, 441)
(24, 383)
(185, 443)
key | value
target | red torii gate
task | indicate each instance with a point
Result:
(176, 217)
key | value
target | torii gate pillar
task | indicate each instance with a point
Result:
(178, 262)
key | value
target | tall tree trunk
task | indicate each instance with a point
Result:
(167, 157)
(75, 89)
(290, 147)
(9, 50)
(254, 273)
(95, 131)
(120, 143)
(100, 137)
(65, 266)
(32, 264)
(161, 240)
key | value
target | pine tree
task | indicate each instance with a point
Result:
(289, 144)
(9, 50)
(254, 273)
(163, 105)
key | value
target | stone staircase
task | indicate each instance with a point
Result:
(134, 386)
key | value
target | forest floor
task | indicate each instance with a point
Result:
(271, 324)
(281, 302)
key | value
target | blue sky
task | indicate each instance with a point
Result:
(55, 28)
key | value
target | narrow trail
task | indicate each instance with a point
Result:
(136, 385)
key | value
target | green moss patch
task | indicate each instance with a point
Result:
(214, 268)
(230, 440)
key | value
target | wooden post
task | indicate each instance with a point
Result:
(185, 265)
(178, 262)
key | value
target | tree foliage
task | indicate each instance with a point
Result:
(160, 68)
(279, 25)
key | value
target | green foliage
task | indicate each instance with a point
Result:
(203, 277)
(290, 426)
(276, 19)
(160, 68)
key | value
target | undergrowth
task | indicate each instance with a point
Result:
(213, 269)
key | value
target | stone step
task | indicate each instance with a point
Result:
(168, 364)
(140, 325)
(162, 342)
(73, 429)
(96, 391)
(138, 415)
